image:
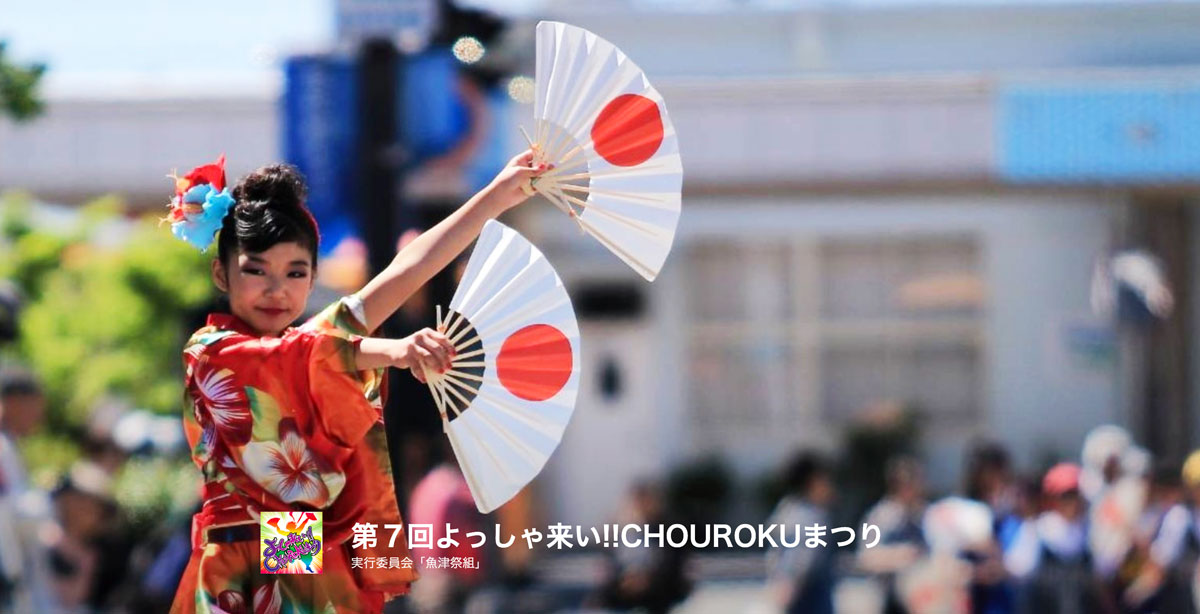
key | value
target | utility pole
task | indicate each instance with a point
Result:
(380, 152)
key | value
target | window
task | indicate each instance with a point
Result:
(792, 332)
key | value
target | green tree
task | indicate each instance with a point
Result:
(107, 320)
(106, 310)
(19, 88)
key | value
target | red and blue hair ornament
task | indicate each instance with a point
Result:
(201, 202)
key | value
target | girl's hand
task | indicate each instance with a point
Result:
(513, 184)
(426, 349)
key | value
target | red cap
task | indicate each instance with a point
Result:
(1061, 479)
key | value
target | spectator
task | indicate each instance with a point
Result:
(649, 578)
(24, 511)
(443, 498)
(801, 578)
(1050, 556)
(86, 510)
(1165, 583)
(898, 516)
(990, 481)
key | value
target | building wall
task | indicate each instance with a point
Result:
(84, 147)
(1040, 391)
(737, 39)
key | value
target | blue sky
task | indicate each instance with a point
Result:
(88, 42)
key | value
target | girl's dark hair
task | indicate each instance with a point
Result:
(269, 210)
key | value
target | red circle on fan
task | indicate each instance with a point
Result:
(628, 131)
(535, 362)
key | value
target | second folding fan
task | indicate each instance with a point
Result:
(605, 129)
(511, 388)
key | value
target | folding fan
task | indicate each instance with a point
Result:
(512, 385)
(615, 155)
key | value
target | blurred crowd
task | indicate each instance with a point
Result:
(1109, 533)
(70, 548)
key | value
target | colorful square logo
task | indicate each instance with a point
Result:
(290, 542)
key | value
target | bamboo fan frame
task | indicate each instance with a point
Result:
(455, 390)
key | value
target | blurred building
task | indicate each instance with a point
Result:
(124, 140)
(884, 201)
(891, 201)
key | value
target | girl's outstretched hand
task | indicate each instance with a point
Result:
(426, 349)
(513, 184)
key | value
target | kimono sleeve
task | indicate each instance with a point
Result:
(336, 388)
(345, 317)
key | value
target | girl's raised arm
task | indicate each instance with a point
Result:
(429, 253)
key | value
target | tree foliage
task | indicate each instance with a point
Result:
(19, 88)
(107, 305)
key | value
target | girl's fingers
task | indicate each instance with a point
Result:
(418, 373)
(429, 365)
(528, 171)
(423, 357)
(524, 158)
(439, 345)
(524, 161)
(438, 357)
(444, 342)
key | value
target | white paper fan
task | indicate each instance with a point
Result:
(511, 389)
(606, 130)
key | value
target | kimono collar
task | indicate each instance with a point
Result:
(228, 321)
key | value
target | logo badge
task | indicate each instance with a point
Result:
(290, 542)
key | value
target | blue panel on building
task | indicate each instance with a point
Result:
(433, 116)
(1136, 133)
(320, 111)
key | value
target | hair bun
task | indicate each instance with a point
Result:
(278, 185)
(270, 209)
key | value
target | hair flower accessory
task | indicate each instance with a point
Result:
(201, 202)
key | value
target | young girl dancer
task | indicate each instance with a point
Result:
(283, 418)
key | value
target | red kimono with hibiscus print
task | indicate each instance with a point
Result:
(287, 424)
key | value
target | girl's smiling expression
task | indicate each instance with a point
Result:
(267, 290)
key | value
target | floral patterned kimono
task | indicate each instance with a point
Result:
(287, 424)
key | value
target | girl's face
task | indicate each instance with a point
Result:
(267, 290)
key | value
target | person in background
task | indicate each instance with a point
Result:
(443, 498)
(25, 516)
(1114, 520)
(801, 579)
(84, 504)
(1050, 557)
(957, 533)
(990, 481)
(898, 516)
(1165, 582)
(22, 407)
(1112, 481)
(1165, 492)
(1101, 456)
(649, 579)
